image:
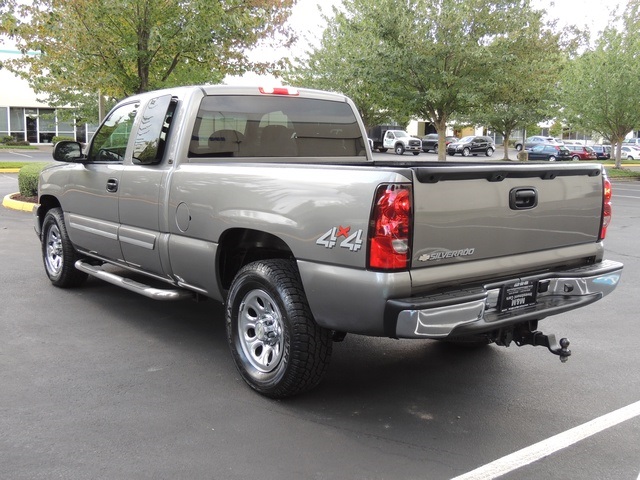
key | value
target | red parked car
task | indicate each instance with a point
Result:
(580, 152)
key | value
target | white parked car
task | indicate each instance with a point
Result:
(630, 152)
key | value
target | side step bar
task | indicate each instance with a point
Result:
(137, 287)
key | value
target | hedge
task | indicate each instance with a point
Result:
(28, 178)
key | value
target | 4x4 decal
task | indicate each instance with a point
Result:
(352, 241)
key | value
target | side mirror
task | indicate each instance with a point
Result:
(67, 151)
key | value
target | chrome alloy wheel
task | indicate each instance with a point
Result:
(260, 330)
(54, 258)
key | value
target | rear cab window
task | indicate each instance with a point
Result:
(240, 126)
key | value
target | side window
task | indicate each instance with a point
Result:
(151, 137)
(109, 143)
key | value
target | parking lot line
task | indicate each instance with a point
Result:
(551, 445)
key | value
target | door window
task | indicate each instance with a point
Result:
(109, 143)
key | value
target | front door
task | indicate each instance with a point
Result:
(91, 203)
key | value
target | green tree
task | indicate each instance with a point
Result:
(601, 87)
(425, 58)
(74, 49)
(524, 65)
(348, 61)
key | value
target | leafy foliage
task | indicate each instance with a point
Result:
(74, 49)
(436, 59)
(601, 87)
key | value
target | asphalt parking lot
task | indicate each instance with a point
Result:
(100, 383)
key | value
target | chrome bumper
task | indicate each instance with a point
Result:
(476, 310)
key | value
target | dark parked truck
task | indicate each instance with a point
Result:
(270, 202)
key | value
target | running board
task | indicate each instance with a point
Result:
(137, 287)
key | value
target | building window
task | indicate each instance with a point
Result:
(4, 121)
(16, 119)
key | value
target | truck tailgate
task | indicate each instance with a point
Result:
(483, 211)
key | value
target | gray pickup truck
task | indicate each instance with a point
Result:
(269, 200)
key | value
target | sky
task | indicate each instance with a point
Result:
(307, 22)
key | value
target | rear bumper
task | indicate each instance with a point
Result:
(476, 310)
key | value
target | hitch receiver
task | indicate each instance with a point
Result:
(540, 339)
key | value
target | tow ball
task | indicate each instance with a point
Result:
(540, 339)
(527, 335)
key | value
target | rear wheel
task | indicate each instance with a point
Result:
(552, 158)
(58, 253)
(277, 346)
(399, 149)
(575, 158)
(489, 151)
(382, 150)
(416, 153)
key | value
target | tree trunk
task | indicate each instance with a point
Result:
(505, 145)
(441, 128)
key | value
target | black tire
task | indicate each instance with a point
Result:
(58, 253)
(552, 158)
(399, 149)
(383, 150)
(416, 153)
(518, 147)
(489, 152)
(575, 158)
(276, 345)
(466, 152)
(435, 149)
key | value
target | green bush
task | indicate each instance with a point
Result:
(57, 139)
(19, 143)
(28, 179)
(7, 139)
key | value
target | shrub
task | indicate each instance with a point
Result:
(28, 179)
(57, 139)
(7, 139)
(19, 143)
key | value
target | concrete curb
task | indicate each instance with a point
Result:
(8, 202)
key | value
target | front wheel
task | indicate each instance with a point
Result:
(399, 149)
(466, 152)
(58, 253)
(276, 345)
(518, 147)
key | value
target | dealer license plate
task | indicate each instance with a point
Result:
(518, 294)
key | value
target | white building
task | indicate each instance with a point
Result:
(23, 116)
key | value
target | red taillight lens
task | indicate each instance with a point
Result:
(606, 207)
(390, 228)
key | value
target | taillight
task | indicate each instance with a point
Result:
(390, 228)
(606, 207)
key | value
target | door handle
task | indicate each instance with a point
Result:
(112, 185)
(523, 198)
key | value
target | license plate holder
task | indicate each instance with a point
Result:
(520, 294)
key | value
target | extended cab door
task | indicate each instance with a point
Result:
(142, 183)
(91, 201)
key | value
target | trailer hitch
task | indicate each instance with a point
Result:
(539, 339)
(526, 334)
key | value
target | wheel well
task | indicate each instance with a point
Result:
(238, 247)
(47, 202)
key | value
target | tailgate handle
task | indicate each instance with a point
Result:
(523, 198)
